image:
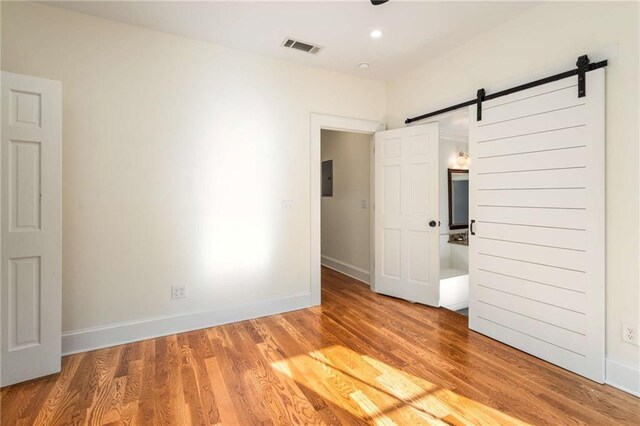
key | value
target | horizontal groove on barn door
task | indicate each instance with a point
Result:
(534, 226)
(532, 152)
(533, 133)
(531, 299)
(528, 97)
(529, 335)
(530, 244)
(532, 263)
(531, 115)
(533, 318)
(532, 207)
(551, 169)
(531, 281)
(532, 189)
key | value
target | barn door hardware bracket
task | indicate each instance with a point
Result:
(479, 98)
(583, 65)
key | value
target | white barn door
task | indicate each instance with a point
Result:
(537, 258)
(406, 214)
(30, 211)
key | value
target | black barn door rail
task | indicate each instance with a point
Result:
(583, 66)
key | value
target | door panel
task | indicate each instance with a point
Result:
(571, 157)
(406, 201)
(536, 268)
(530, 143)
(549, 256)
(545, 223)
(30, 265)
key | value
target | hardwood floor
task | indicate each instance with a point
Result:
(361, 358)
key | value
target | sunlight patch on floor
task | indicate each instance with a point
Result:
(380, 394)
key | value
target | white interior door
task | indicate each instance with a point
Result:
(406, 214)
(537, 198)
(31, 223)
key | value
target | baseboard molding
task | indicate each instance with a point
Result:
(347, 269)
(620, 375)
(133, 331)
(623, 376)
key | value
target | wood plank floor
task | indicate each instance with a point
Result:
(361, 358)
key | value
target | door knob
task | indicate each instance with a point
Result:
(433, 224)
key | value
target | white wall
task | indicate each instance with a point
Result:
(453, 256)
(177, 156)
(546, 40)
(345, 224)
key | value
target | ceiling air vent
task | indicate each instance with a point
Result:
(301, 46)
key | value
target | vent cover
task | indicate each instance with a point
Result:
(302, 46)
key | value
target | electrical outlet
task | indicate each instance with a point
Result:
(178, 291)
(630, 333)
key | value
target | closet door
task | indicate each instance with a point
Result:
(30, 225)
(537, 253)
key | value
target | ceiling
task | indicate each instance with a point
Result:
(412, 31)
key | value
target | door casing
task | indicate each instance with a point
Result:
(321, 122)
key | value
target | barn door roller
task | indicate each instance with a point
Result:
(582, 64)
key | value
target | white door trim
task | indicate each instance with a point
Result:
(321, 122)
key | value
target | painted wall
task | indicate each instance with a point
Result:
(178, 155)
(345, 224)
(546, 40)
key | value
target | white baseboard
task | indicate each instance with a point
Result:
(623, 376)
(347, 269)
(620, 375)
(147, 328)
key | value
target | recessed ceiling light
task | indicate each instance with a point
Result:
(363, 65)
(376, 33)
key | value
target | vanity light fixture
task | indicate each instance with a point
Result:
(463, 159)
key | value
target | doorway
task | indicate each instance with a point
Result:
(347, 177)
(320, 122)
(405, 237)
(454, 164)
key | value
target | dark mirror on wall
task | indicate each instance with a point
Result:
(327, 178)
(458, 199)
